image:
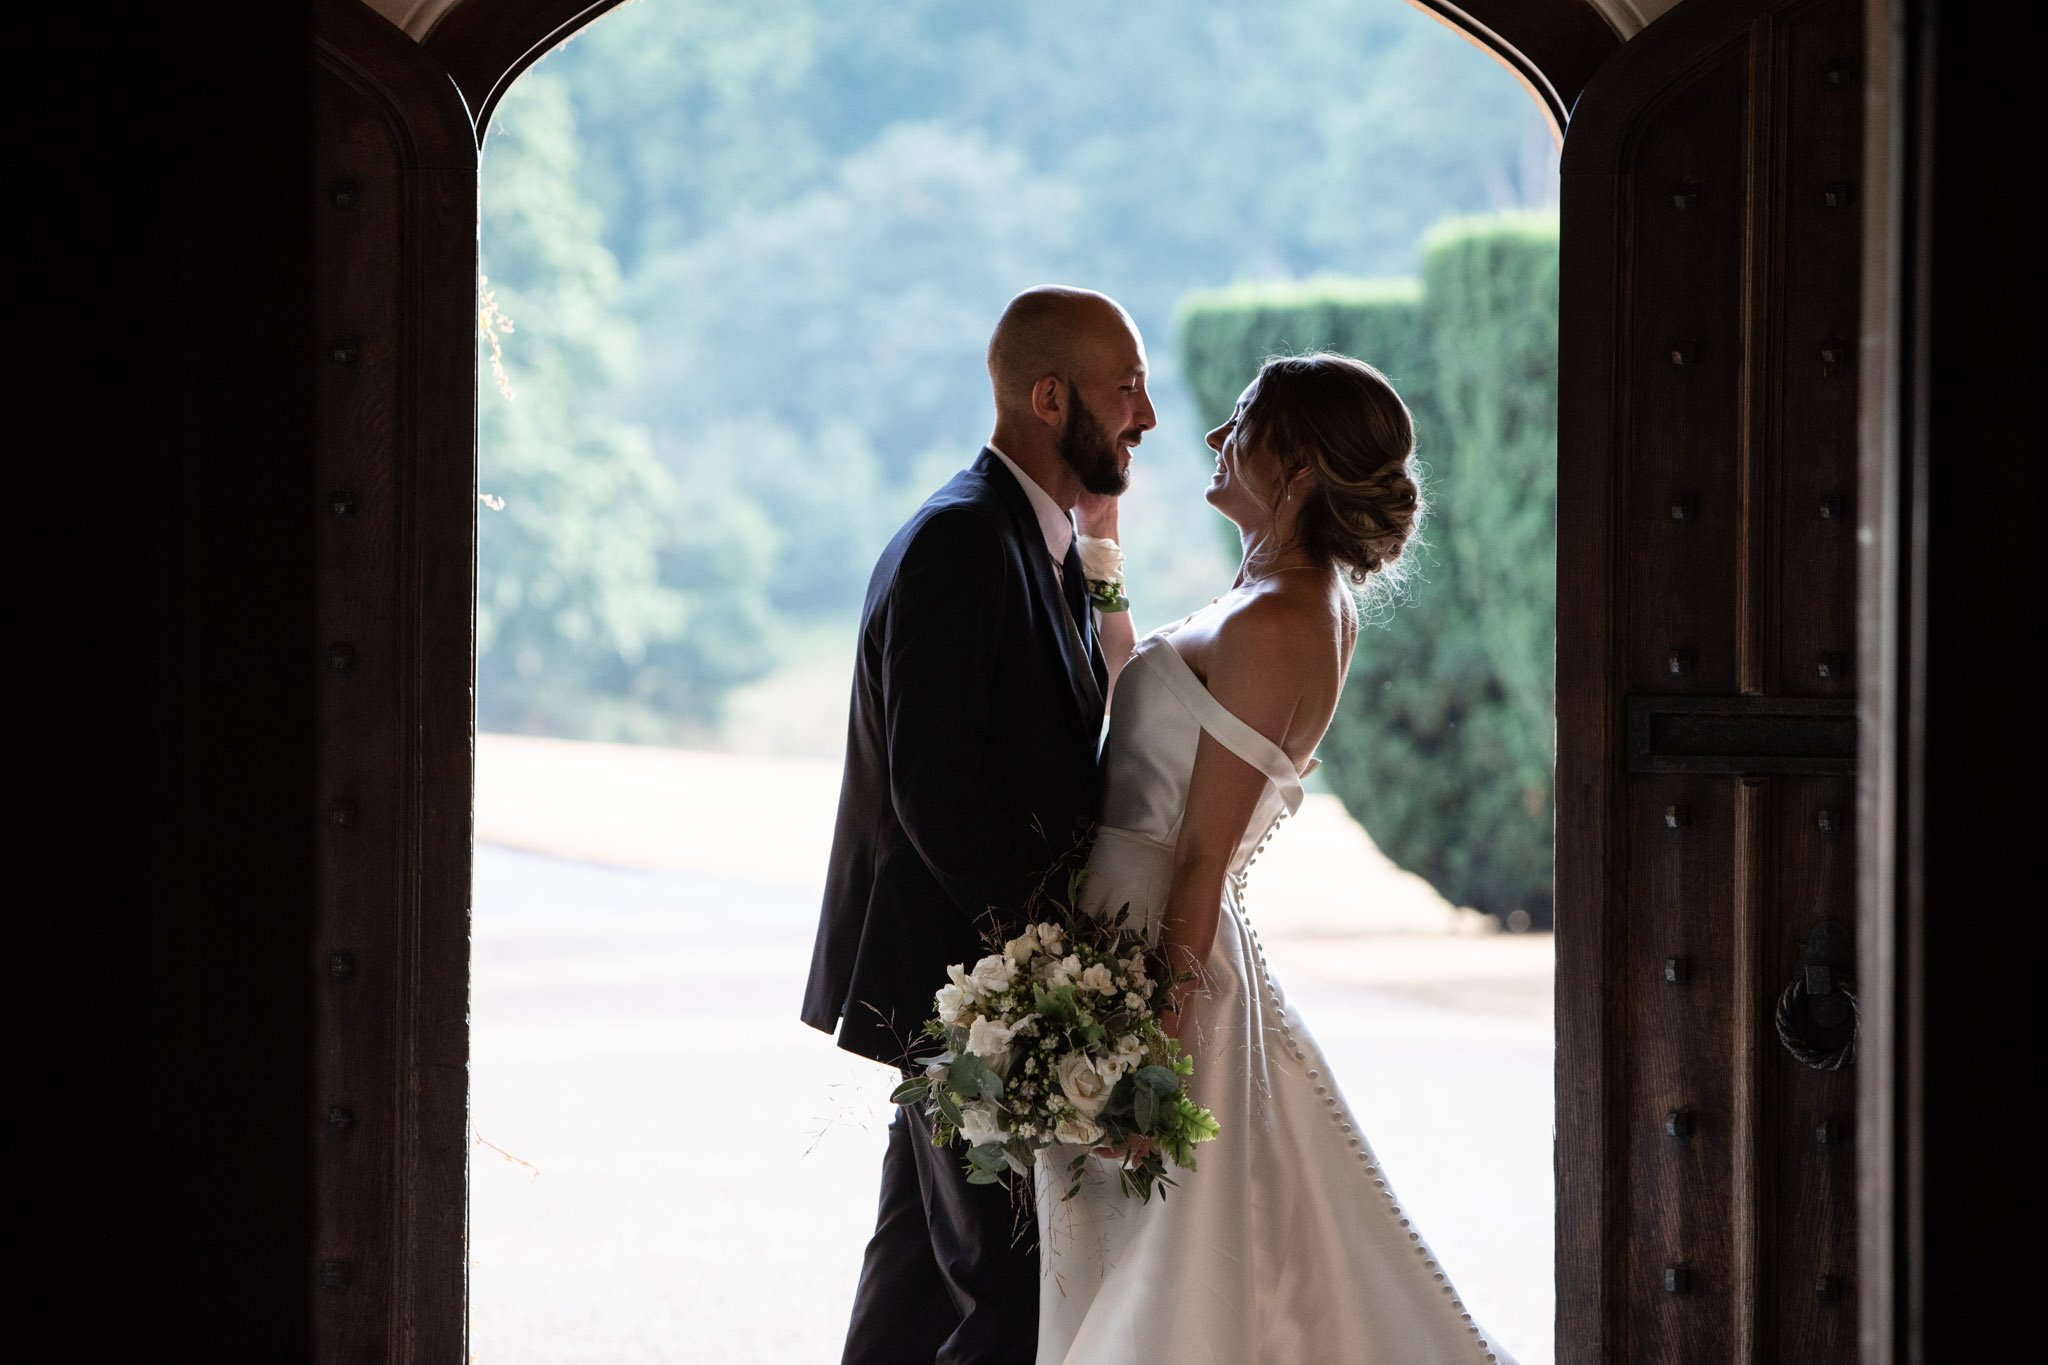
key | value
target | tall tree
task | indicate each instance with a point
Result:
(600, 611)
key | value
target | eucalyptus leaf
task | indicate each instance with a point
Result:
(1157, 1079)
(912, 1090)
(1145, 1108)
(973, 1080)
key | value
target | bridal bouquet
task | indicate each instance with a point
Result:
(1054, 1038)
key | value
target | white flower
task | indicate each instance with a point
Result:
(1065, 971)
(1096, 979)
(990, 1040)
(1078, 1131)
(1132, 1000)
(1049, 935)
(1020, 949)
(1101, 557)
(1085, 1087)
(1129, 1053)
(951, 1000)
(992, 974)
(963, 982)
(979, 1124)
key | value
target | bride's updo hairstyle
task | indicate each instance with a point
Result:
(1342, 419)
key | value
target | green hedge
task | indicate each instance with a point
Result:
(1442, 746)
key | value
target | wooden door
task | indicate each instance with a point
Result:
(1706, 770)
(393, 530)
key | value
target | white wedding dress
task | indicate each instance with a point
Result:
(1287, 1246)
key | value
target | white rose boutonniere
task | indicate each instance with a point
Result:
(1101, 557)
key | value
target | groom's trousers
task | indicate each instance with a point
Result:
(951, 1274)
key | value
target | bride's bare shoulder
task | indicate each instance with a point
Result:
(1272, 632)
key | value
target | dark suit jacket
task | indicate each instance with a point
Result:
(977, 711)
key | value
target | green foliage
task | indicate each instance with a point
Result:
(1055, 1037)
(599, 612)
(753, 253)
(1442, 746)
(1379, 321)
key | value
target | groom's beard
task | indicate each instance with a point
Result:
(1090, 452)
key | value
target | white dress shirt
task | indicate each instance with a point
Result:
(1053, 521)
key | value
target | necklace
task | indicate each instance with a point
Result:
(1275, 573)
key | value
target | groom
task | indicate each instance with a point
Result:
(970, 765)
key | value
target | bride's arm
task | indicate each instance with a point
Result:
(1251, 672)
(1119, 638)
(1096, 515)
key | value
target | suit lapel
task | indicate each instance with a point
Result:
(1077, 655)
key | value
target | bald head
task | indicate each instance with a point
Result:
(1053, 330)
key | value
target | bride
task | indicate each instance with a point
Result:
(1289, 1243)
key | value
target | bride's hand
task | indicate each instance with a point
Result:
(1095, 515)
(1137, 1147)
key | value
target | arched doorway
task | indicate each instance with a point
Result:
(1452, 1076)
(409, 771)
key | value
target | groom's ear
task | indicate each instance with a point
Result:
(1049, 399)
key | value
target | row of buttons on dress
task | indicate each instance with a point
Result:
(1330, 1102)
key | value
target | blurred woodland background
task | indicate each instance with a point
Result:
(741, 262)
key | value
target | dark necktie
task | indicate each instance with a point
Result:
(1074, 580)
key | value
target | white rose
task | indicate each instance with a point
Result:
(951, 1000)
(963, 982)
(992, 974)
(1065, 970)
(990, 1040)
(1086, 1088)
(1096, 979)
(1079, 1131)
(1020, 949)
(1101, 557)
(979, 1124)
(1049, 936)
